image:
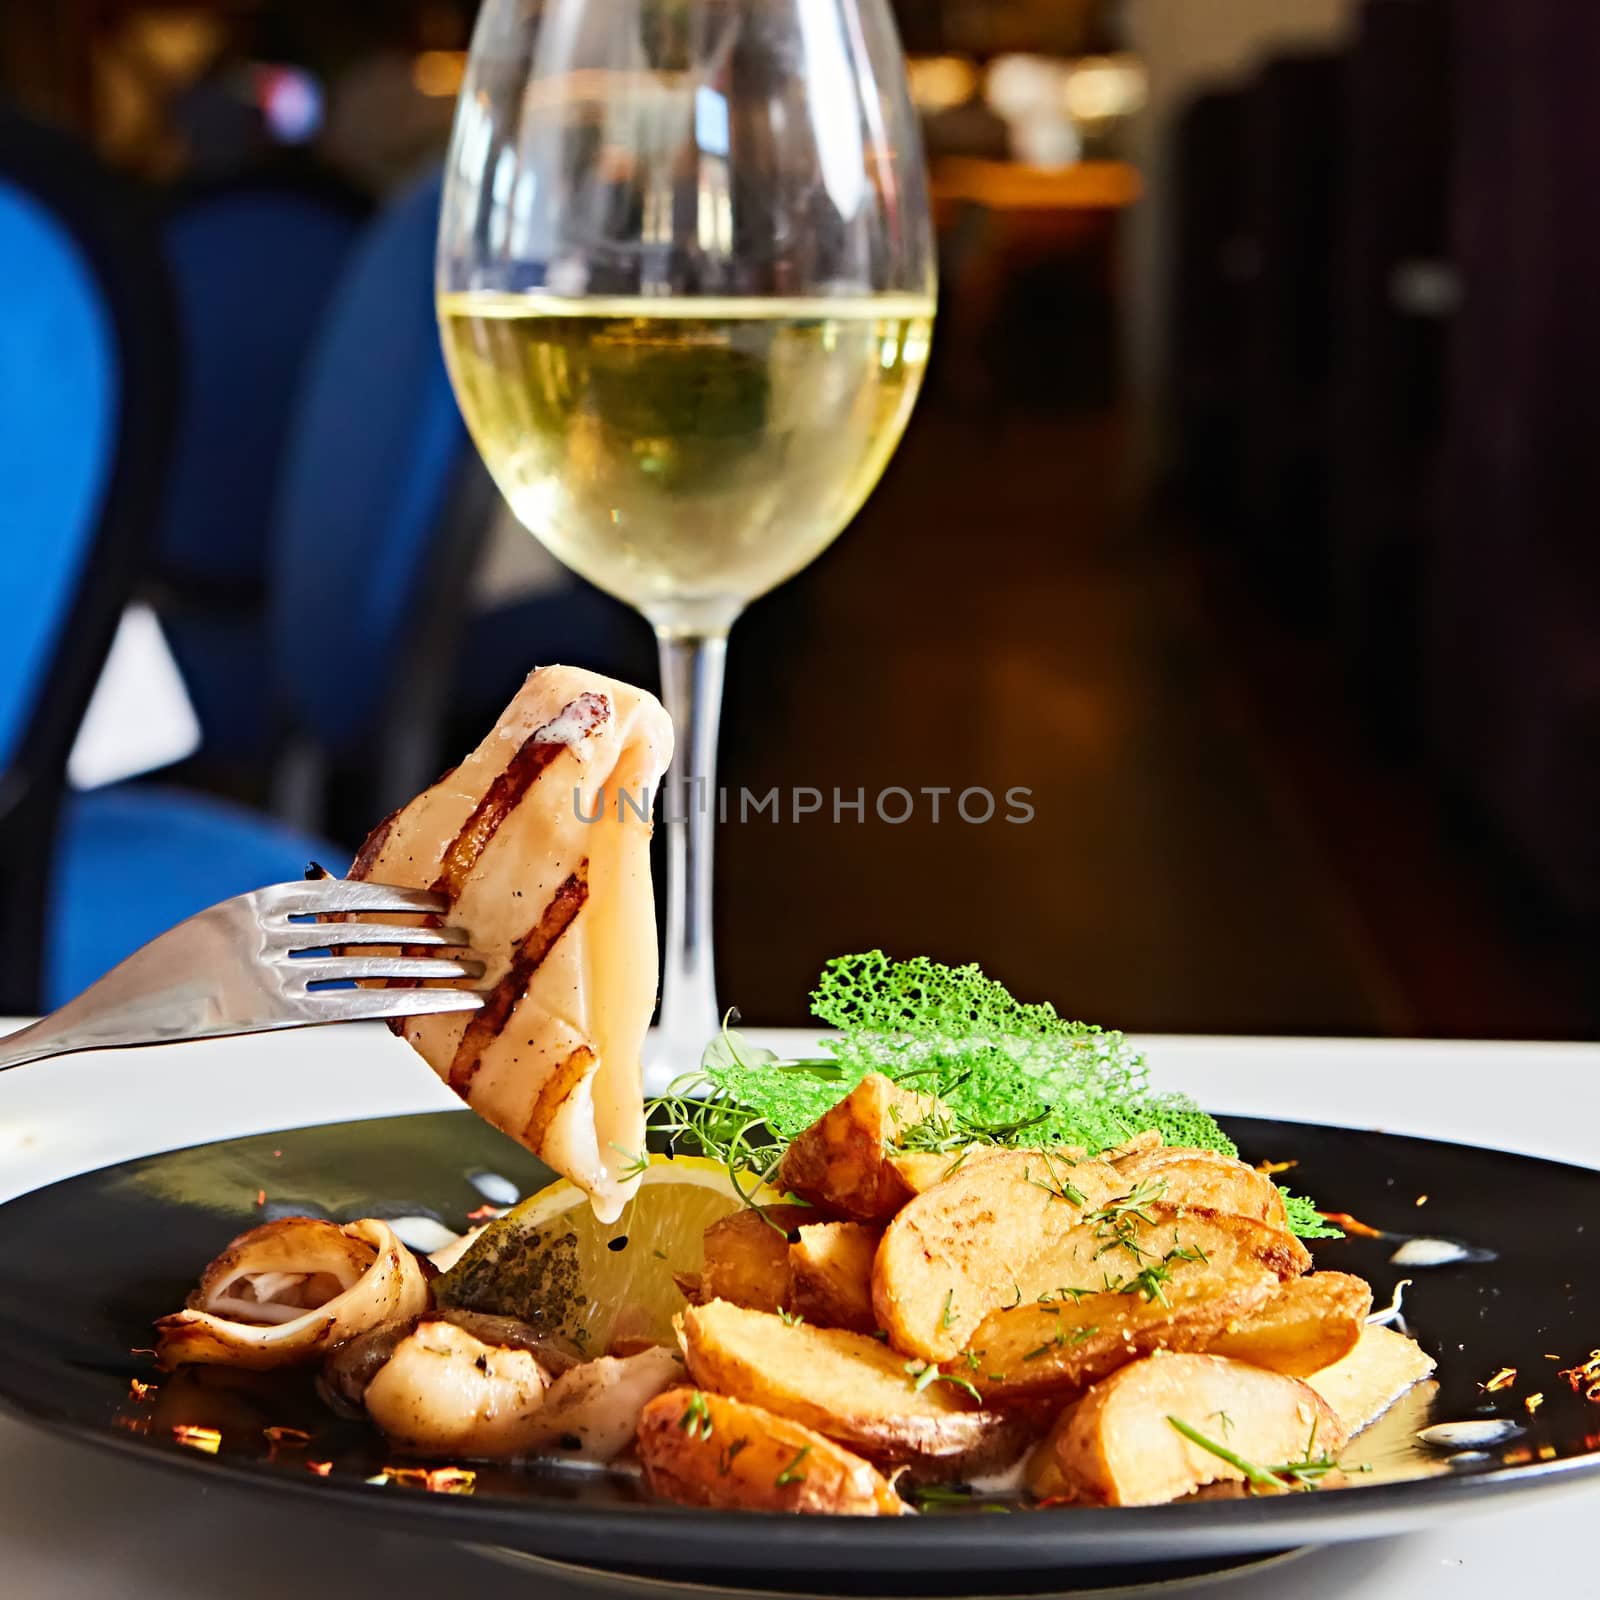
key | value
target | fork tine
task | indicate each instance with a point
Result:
(364, 1005)
(328, 897)
(333, 935)
(338, 969)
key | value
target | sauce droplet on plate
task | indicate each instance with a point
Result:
(1468, 1435)
(1426, 1252)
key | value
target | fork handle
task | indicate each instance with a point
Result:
(118, 1028)
(48, 1037)
(34, 1043)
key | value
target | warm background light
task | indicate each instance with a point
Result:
(438, 73)
(941, 83)
(1101, 88)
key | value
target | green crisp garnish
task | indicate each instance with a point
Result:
(1305, 1220)
(997, 1063)
(1005, 1072)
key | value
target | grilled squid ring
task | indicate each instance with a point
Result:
(286, 1293)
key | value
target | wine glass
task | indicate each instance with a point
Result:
(686, 288)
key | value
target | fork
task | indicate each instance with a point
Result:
(250, 965)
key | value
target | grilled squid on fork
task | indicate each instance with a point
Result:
(540, 842)
(285, 1293)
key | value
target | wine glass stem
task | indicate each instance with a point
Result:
(691, 687)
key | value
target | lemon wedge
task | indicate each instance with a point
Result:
(588, 1283)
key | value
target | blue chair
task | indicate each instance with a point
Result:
(378, 519)
(253, 268)
(86, 405)
(369, 547)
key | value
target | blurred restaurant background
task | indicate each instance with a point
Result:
(1247, 518)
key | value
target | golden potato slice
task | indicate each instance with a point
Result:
(840, 1163)
(979, 1240)
(830, 1274)
(1365, 1383)
(1118, 1446)
(1178, 1176)
(843, 1384)
(708, 1450)
(1194, 1274)
(1309, 1324)
(747, 1258)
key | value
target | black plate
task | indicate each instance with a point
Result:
(90, 1262)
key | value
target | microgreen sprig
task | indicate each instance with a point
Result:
(791, 1473)
(923, 1374)
(1304, 1474)
(696, 1418)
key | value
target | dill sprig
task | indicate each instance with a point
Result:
(1054, 1184)
(696, 1418)
(1305, 1474)
(1151, 1281)
(932, 1496)
(699, 1116)
(791, 1473)
(1117, 1223)
(941, 1494)
(635, 1163)
(923, 1374)
(1256, 1477)
(1065, 1338)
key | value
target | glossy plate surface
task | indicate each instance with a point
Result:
(89, 1263)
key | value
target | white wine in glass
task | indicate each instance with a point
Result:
(656, 447)
(686, 291)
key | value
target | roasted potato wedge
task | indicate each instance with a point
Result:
(1178, 1176)
(843, 1384)
(830, 1274)
(1140, 1144)
(747, 1258)
(982, 1241)
(978, 1241)
(1194, 1273)
(918, 1170)
(1309, 1324)
(709, 1450)
(1365, 1383)
(1118, 1446)
(841, 1162)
